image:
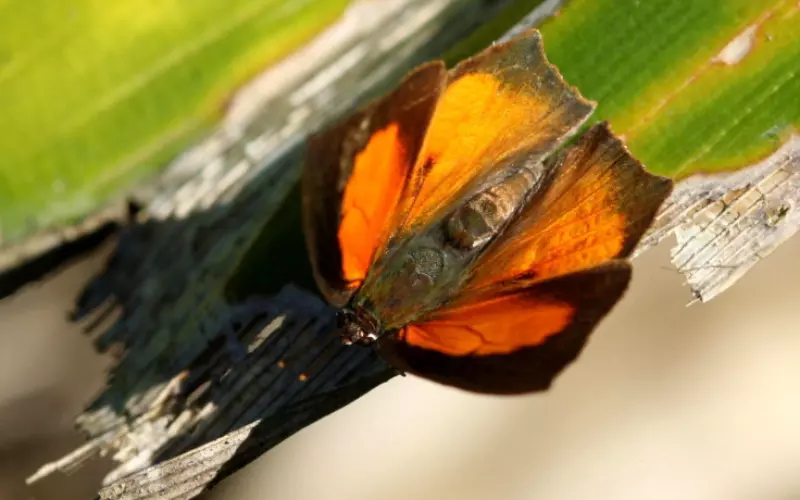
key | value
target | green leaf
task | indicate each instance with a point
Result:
(656, 71)
(95, 95)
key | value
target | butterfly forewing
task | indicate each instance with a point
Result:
(505, 100)
(502, 111)
(599, 203)
(354, 175)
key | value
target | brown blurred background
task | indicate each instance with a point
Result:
(667, 402)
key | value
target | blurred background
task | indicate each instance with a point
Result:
(667, 402)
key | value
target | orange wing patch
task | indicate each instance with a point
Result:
(354, 174)
(475, 125)
(505, 100)
(496, 326)
(371, 194)
(597, 207)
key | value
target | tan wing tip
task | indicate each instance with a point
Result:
(582, 106)
(538, 42)
(650, 190)
(587, 105)
(578, 106)
(601, 133)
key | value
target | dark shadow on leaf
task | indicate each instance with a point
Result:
(201, 356)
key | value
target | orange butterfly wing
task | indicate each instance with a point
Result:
(536, 293)
(353, 178)
(420, 150)
(599, 203)
(505, 100)
(516, 342)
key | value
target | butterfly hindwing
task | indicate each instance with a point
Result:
(354, 175)
(598, 204)
(515, 342)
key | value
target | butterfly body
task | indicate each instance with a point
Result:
(481, 218)
(457, 236)
(412, 279)
(422, 272)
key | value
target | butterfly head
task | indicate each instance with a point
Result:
(357, 326)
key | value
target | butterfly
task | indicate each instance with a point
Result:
(460, 234)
